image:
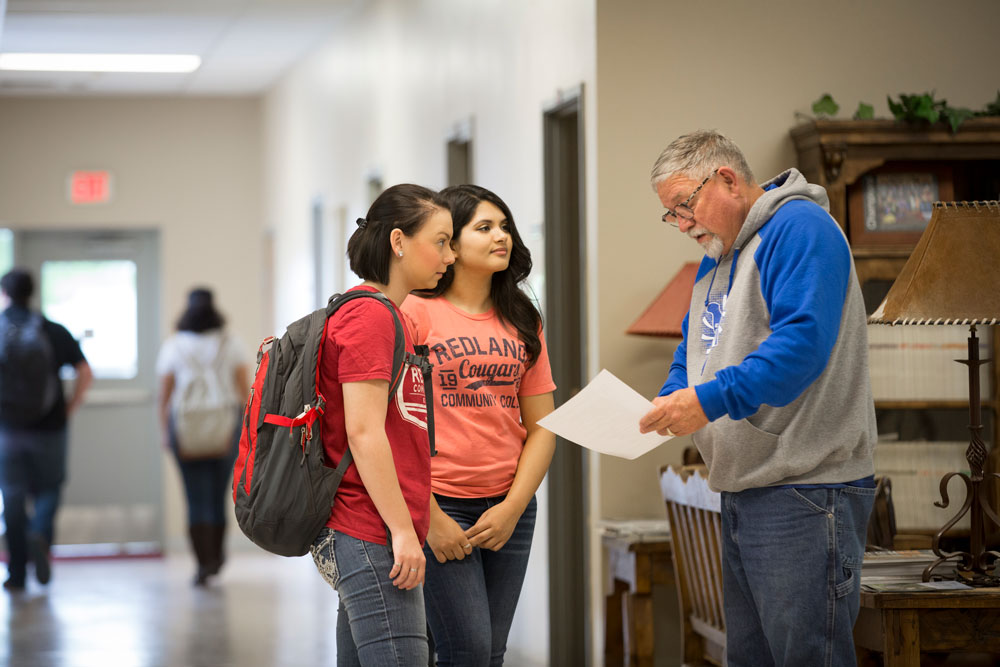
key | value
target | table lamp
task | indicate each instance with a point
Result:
(953, 277)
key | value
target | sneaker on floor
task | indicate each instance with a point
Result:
(38, 550)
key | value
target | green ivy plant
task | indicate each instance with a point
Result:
(864, 112)
(924, 108)
(992, 108)
(825, 106)
(911, 109)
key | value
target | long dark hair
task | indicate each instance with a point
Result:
(200, 314)
(511, 303)
(405, 207)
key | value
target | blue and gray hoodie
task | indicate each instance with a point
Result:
(778, 352)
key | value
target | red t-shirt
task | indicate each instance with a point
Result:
(358, 346)
(480, 376)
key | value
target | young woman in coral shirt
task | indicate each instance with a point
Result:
(492, 383)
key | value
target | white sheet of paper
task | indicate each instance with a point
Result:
(604, 416)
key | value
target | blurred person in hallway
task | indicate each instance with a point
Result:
(371, 549)
(203, 378)
(771, 381)
(492, 383)
(33, 424)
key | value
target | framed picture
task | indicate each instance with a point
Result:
(891, 206)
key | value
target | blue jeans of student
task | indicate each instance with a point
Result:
(206, 485)
(206, 482)
(791, 566)
(378, 625)
(32, 466)
(466, 597)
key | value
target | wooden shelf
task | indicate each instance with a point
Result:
(835, 153)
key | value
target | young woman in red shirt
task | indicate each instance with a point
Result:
(371, 549)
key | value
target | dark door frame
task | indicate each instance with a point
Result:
(566, 319)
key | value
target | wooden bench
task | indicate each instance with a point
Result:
(696, 533)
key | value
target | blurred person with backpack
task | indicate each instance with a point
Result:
(33, 424)
(203, 375)
(492, 383)
(371, 549)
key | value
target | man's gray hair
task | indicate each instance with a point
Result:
(695, 155)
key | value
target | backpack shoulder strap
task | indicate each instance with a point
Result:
(398, 358)
(422, 360)
(399, 346)
(189, 360)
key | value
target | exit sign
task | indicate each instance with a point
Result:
(90, 187)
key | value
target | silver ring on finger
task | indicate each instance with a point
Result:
(413, 569)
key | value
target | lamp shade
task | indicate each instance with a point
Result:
(665, 314)
(953, 275)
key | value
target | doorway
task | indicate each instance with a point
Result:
(103, 287)
(565, 306)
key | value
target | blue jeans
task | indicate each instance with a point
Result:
(791, 574)
(378, 625)
(32, 465)
(465, 597)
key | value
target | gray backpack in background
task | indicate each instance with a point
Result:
(29, 386)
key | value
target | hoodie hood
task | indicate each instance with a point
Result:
(784, 187)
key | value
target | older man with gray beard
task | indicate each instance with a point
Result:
(771, 380)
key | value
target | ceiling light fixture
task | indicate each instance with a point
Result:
(99, 62)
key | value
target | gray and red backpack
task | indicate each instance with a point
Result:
(282, 486)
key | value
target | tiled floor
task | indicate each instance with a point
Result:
(263, 610)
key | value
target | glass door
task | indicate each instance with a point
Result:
(103, 287)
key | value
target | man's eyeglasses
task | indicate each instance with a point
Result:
(684, 210)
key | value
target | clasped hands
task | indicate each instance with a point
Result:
(449, 541)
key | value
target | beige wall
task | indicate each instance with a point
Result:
(189, 168)
(665, 68)
(382, 96)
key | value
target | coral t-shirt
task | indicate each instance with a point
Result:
(358, 345)
(480, 376)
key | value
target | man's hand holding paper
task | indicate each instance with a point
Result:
(680, 413)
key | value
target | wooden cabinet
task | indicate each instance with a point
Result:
(845, 157)
(835, 154)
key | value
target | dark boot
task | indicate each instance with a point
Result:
(38, 551)
(218, 550)
(201, 544)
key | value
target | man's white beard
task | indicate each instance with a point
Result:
(714, 249)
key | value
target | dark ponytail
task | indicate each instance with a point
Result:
(405, 207)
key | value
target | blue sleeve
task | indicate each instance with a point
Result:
(805, 266)
(678, 377)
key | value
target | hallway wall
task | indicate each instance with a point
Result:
(381, 98)
(189, 168)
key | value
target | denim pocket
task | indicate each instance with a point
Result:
(323, 556)
(815, 503)
(846, 584)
